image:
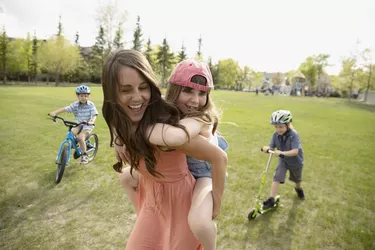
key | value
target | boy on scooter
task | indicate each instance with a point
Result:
(285, 141)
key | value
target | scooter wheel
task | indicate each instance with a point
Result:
(277, 201)
(251, 215)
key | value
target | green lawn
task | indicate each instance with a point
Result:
(89, 210)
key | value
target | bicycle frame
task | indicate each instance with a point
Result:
(71, 140)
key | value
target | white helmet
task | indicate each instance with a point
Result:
(281, 117)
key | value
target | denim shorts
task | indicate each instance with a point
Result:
(200, 168)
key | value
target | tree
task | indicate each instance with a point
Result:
(321, 61)
(137, 40)
(29, 56)
(82, 70)
(117, 43)
(182, 55)
(247, 78)
(368, 69)
(150, 54)
(108, 15)
(258, 78)
(76, 41)
(58, 56)
(229, 73)
(4, 54)
(17, 63)
(34, 61)
(199, 56)
(97, 55)
(165, 60)
(309, 69)
(348, 74)
(59, 27)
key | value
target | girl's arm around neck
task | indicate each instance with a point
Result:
(167, 135)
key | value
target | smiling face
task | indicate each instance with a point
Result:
(190, 100)
(134, 93)
(83, 98)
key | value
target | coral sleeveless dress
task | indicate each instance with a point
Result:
(163, 206)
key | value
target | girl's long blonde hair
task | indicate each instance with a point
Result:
(208, 113)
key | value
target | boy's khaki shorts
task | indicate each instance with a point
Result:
(78, 130)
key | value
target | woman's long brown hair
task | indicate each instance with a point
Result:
(120, 126)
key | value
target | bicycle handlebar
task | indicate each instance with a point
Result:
(68, 123)
(272, 152)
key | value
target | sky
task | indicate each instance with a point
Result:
(267, 35)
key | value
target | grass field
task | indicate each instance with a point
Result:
(89, 210)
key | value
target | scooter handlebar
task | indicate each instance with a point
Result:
(272, 152)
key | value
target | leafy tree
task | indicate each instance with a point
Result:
(165, 61)
(137, 40)
(182, 54)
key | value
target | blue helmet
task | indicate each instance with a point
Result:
(83, 89)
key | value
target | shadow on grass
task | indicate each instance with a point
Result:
(261, 222)
(361, 106)
(268, 238)
(37, 204)
(286, 233)
(49, 179)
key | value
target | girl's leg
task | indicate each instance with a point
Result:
(200, 214)
(130, 184)
(299, 184)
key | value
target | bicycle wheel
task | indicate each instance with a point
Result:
(62, 164)
(92, 146)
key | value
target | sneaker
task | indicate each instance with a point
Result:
(300, 193)
(76, 154)
(84, 159)
(270, 203)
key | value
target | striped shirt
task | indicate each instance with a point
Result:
(82, 112)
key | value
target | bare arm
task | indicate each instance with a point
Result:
(92, 120)
(59, 111)
(168, 135)
(202, 149)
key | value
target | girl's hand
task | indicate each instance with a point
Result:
(216, 207)
(206, 130)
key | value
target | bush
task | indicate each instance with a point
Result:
(334, 94)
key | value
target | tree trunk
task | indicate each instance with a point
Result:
(368, 85)
(57, 80)
(4, 72)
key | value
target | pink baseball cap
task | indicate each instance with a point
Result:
(188, 68)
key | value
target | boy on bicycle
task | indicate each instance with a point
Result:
(84, 111)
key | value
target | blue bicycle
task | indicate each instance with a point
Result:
(70, 142)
